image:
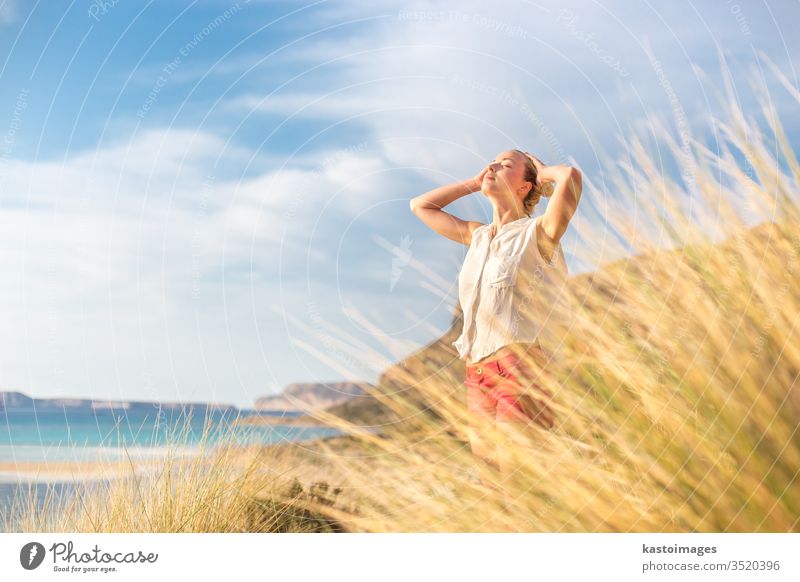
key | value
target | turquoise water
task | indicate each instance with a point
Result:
(63, 435)
(44, 436)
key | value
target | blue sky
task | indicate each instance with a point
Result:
(209, 200)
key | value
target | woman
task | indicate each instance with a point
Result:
(502, 286)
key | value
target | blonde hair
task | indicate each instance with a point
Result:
(537, 190)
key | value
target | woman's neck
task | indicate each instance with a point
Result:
(506, 215)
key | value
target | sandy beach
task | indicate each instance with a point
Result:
(268, 420)
(69, 471)
(19, 480)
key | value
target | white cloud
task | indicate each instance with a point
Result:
(8, 11)
(122, 263)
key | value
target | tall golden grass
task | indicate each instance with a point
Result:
(674, 385)
(219, 484)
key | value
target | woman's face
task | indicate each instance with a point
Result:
(506, 175)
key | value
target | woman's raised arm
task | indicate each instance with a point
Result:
(563, 203)
(428, 208)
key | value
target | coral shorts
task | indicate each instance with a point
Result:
(502, 388)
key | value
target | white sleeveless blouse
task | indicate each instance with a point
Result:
(505, 287)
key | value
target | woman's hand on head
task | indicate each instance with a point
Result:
(541, 169)
(536, 161)
(546, 180)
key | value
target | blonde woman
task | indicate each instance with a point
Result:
(502, 286)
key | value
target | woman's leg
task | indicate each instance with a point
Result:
(521, 403)
(481, 415)
(511, 424)
(520, 398)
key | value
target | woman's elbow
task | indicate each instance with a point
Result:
(575, 181)
(574, 174)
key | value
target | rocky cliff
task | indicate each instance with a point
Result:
(307, 397)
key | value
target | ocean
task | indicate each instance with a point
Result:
(63, 434)
(45, 436)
